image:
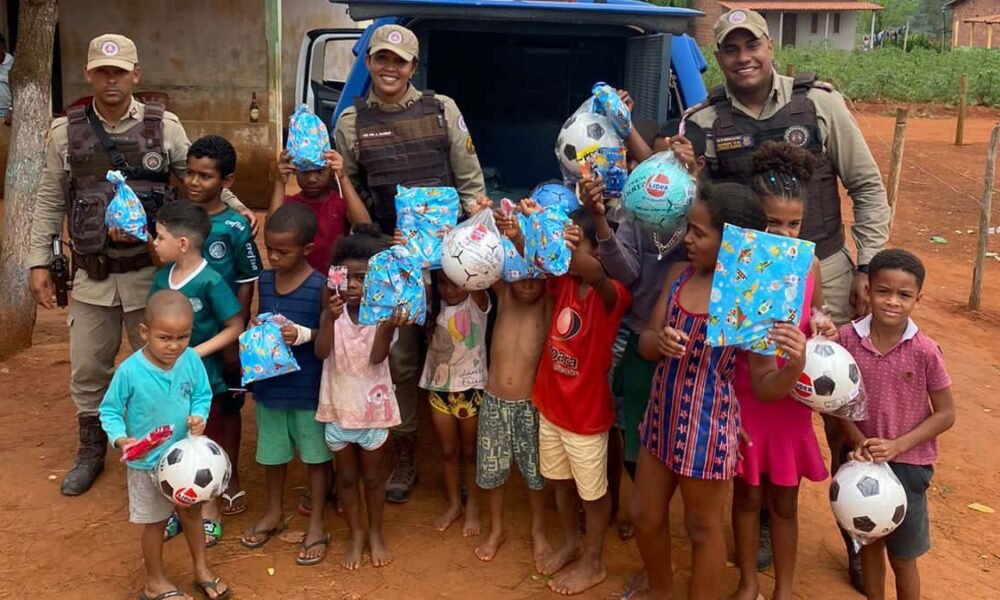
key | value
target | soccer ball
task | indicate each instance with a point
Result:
(830, 379)
(579, 132)
(659, 193)
(555, 194)
(194, 469)
(472, 254)
(867, 499)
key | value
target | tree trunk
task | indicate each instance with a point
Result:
(30, 86)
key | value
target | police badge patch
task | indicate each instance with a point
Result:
(152, 161)
(109, 48)
(797, 135)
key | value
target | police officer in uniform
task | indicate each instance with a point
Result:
(399, 135)
(112, 274)
(757, 104)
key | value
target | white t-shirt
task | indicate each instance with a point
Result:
(456, 359)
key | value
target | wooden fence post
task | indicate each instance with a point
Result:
(790, 70)
(985, 207)
(897, 163)
(963, 91)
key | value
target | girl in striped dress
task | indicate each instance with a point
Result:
(691, 428)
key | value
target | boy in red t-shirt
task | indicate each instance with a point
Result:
(576, 410)
(335, 213)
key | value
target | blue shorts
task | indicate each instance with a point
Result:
(337, 438)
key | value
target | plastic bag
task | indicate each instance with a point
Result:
(831, 382)
(394, 279)
(308, 140)
(868, 500)
(606, 102)
(193, 469)
(544, 242)
(263, 351)
(424, 215)
(472, 253)
(658, 193)
(125, 212)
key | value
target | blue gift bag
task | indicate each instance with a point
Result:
(607, 103)
(394, 279)
(308, 140)
(544, 242)
(125, 212)
(263, 351)
(424, 215)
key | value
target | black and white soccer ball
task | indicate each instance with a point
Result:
(830, 380)
(195, 469)
(580, 132)
(867, 499)
(472, 253)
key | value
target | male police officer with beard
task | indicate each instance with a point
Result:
(399, 135)
(756, 105)
(112, 274)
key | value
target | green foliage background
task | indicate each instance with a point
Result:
(889, 74)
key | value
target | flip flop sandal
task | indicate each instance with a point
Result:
(227, 507)
(213, 529)
(173, 528)
(267, 533)
(204, 586)
(163, 596)
(308, 562)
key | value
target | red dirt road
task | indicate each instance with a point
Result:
(57, 547)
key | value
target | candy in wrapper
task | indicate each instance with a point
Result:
(263, 351)
(125, 212)
(423, 215)
(607, 164)
(394, 279)
(151, 440)
(308, 140)
(544, 244)
(337, 278)
(607, 103)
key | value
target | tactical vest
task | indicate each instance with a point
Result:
(737, 136)
(148, 174)
(408, 147)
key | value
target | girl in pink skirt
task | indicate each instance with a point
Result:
(779, 448)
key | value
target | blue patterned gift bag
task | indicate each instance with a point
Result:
(263, 351)
(308, 140)
(544, 243)
(759, 280)
(424, 215)
(125, 212)
(394, 279)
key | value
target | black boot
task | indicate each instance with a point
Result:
(765, 554)
(853, 562)
(89, 458)
(404, 472)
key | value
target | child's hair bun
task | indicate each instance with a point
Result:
(784, 159)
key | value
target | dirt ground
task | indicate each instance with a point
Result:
(57, 547)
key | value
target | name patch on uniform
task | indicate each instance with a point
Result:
(374, 135)
(733, 142)
(152, 161)
(797, 135)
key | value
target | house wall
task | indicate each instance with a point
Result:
(980, 36)
(703, 26)
(844, 40)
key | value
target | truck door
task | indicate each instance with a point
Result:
(325, 60)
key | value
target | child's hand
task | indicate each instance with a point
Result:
(335, 307)
(882, 450)
(399, 318)
(196, 425)
(285, 167)
(289, 333)
(334, 161)
(627, 99)
(592, 196)
(124, 442)
(790, 340)
(573, 236)
(480, 203)
(684, 150)
(529, 207)
(672, 342)
(826, 329)
(508, 224)
(398, 239)
(860, 453)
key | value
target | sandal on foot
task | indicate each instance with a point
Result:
(173, 528)
(163, 596)
(204, 586)
(308, 562)
(213, 529)
(227, 507)
(267, 533)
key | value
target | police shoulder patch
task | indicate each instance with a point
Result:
(469, 146)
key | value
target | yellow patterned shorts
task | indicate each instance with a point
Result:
(461, 405)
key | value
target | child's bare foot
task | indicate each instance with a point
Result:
(449, 516)
(488, 549)
(555, 561)
(355, 552)
(585, 575)
(209, 584)
(470, 528)
(746, 591)
(261, 532)
(380, 553)
(540, 548)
